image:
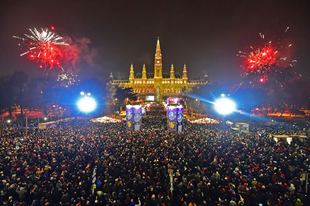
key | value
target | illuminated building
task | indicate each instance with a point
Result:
(157, 84)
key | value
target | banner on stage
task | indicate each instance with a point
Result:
(171, 118)
(137, 117)
(129, 118)
(179, 118)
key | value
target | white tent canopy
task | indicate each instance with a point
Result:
(105, 119)
(205, 121)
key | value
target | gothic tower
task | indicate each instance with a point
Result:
(131, 74)
(172, 76)
(144, 72)
(158, 75)
(184, 77)
(158, 66)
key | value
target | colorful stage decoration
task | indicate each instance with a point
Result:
(133, 117)
(174, 115)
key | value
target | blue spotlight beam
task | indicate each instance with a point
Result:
(249, 115)
(223, 105)
(198, 97)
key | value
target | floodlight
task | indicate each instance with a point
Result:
(225, 106)
(82, 93)
(87, 104)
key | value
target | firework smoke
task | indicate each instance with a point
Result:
(79, 51)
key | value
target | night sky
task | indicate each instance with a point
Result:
(206, 35)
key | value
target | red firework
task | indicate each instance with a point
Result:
(261, 59)
(44, 47)
(49, 50)
(48, 55)
(271, 57)
(262, 62)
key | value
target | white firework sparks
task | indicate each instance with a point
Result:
(44, 47)
(41, 38)
(68, 79)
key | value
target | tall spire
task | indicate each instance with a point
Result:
(131, 67)
(158, 61)
(184, 73)
(144, 72)
(206, 78)
(111, 78)
(172, 76)
(158, 44)
(131, 74)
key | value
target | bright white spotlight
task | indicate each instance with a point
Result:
(224, 106)
(87, 104)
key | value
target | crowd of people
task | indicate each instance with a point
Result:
(108, 165)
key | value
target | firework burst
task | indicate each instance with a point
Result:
(44, 47)
(67, 79)
(260, 62)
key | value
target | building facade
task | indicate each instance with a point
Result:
(157, 84)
